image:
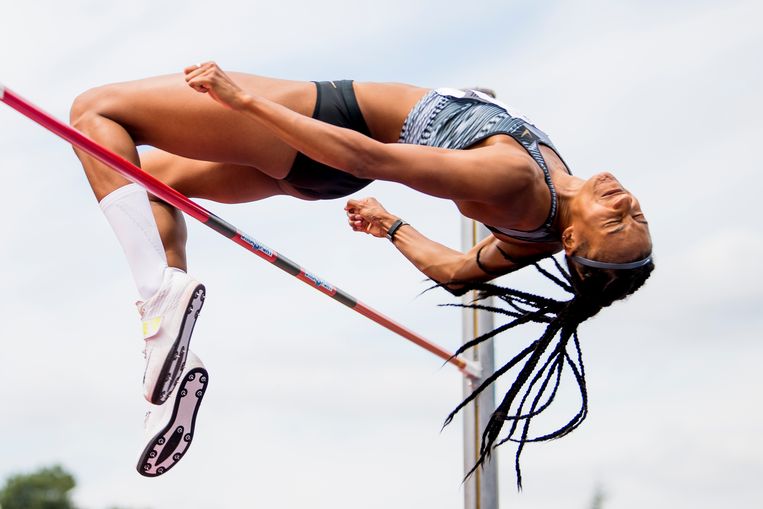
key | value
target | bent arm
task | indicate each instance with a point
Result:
(449, 267)
(446, 266)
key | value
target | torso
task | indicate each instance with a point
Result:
(538, 201)
(385, 108)
(532, 211)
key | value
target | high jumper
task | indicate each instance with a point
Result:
(234, 137)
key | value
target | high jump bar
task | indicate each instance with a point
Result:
(181, 202)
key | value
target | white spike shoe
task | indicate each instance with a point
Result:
(169, 428)
(168, 317)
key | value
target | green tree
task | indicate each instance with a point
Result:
(47, 488)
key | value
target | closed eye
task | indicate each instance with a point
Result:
(616, 230)
(640, 218)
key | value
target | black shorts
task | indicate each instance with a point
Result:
(336, 104)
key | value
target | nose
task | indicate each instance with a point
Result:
(624, 203)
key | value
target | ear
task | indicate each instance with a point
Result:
(569, 240)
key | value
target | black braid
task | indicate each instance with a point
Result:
(544, 360)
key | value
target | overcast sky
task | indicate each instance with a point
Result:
(312, 405)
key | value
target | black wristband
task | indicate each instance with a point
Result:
(394, 228)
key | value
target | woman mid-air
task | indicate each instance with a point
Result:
(236, 138)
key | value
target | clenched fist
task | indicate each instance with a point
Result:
(367, 215)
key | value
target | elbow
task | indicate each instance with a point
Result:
(439, 272)
(454, 287)
(456, 291)
(447, 277)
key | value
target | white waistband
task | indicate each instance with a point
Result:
(460, 94)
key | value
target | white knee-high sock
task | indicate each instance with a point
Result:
(129, 213)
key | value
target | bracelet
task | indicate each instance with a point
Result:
(394, 228)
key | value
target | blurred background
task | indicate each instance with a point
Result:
(311, 405)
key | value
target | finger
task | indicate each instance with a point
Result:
(196, 67)
(201, 79)
(199, 85)
(195, 73)
(208, 69)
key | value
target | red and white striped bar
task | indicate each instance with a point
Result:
(181, 202)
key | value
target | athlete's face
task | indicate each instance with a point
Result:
(607, 223)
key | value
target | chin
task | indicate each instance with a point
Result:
(605, 175)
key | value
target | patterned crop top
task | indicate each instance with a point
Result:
(458, 119)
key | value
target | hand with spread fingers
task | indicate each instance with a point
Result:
(209, 78)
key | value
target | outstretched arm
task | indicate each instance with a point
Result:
(442, 264)
(435, 171)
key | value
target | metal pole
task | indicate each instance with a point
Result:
(181, 202)
(481, 489)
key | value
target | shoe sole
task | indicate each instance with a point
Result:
(176, 357)
(168, 446)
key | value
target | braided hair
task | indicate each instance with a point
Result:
(544, 360)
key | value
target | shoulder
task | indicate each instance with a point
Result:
(504, 150)
(517, 169)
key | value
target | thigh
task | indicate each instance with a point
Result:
(220, 182)
(166, 113)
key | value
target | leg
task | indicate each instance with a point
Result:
(164, 112)
(169, 314)
(220, 182)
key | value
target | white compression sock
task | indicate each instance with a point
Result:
(129, 213)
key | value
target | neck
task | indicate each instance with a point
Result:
(567, 187)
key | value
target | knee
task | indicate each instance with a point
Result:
(89, 107)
